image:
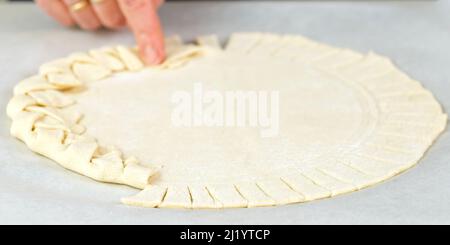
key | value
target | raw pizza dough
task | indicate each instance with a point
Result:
(347, 121)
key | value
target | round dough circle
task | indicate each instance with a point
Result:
(346, 121)
(320, 116)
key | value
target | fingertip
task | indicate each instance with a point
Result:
(91, 26)
(117, 23)
(151, 55)
(158, 45)
(143, 20)
(162, 56)
(68, 22)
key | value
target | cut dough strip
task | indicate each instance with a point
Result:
(56, 66)
(91, 72)
(372, 166)
(301, 49)
(51, 98)
(108, 59)
(304, 186)
(337, 59)
(211, 41)
(346, 174)
(371, 66)
(150, 197)
(64, 80)
(267, 45)
(34, 83)
(280, 192)
(201, 198)
(242, 43)
(18, 103)
(227, 196)
(129, 58)
(335, 186)
(177, 196)
(254, 195)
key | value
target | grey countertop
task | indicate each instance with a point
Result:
(416, 35)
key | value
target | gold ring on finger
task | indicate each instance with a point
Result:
(97, 1)
(80, 5)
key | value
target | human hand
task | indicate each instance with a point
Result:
(140, 15)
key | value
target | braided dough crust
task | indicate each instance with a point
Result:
(351, 121)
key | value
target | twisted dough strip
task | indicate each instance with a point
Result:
(42, 115)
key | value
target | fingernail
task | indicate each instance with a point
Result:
(151, 56)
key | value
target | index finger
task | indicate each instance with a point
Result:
(143, 20)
